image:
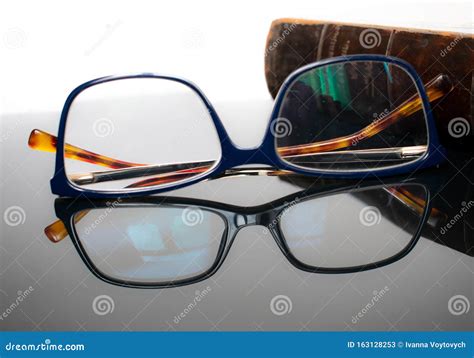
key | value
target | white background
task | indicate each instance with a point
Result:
(49, 47)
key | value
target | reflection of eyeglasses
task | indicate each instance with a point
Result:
(338, 117)
(162, 242)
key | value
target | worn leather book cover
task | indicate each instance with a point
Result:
(293, 43)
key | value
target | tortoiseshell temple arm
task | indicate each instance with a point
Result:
(435, 89)
(417, 204)
(40, 140)
(193, 168)
(140, 171)
(56, 231)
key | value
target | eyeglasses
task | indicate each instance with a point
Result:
(352, 116)
(157, 242)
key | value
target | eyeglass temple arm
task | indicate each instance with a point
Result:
(415, 202)
(173, 172)
(436, 88)
(56, 231)
(42, 141)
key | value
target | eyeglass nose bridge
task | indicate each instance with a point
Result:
(236, 156)
(267, 220)
(242, 220)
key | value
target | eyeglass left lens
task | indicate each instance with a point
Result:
(351, 116)
(379, 223)
(150, 245)
(134, 133)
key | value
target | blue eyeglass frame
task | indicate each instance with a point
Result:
(263, 154)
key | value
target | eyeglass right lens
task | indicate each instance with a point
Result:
(150, 245)
(378, 224)
(135, 133)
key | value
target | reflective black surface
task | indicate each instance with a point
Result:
(238, 296)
